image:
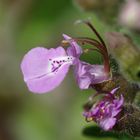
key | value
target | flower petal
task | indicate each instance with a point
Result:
(47, 83)
(120, 102)
(107, 123)
(82, 77)
(114, 90)
(44, 69)
(87, 74)
(99, 74)
(74, 50)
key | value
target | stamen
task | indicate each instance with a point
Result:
(88, 38)
(89, 119)
(65, 43)
(94, 30)
(91, 49)
(101, 49)
(90, 42)
(86, 50)
(100, 45)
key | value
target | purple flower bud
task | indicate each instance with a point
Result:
(106, 110)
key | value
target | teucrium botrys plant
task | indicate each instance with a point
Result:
(44, 70)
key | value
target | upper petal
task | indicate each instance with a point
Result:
(83, 78)
(74, 50)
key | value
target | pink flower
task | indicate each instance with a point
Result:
(44, 69)
(106, 110)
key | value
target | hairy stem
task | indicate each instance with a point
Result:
(129, 121)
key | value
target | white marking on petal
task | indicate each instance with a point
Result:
(54, 65)
(58, 63)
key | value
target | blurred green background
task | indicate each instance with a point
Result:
(25, 24)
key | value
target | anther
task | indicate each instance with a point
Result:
(89, 119)
(65, 43)
(86, 50)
